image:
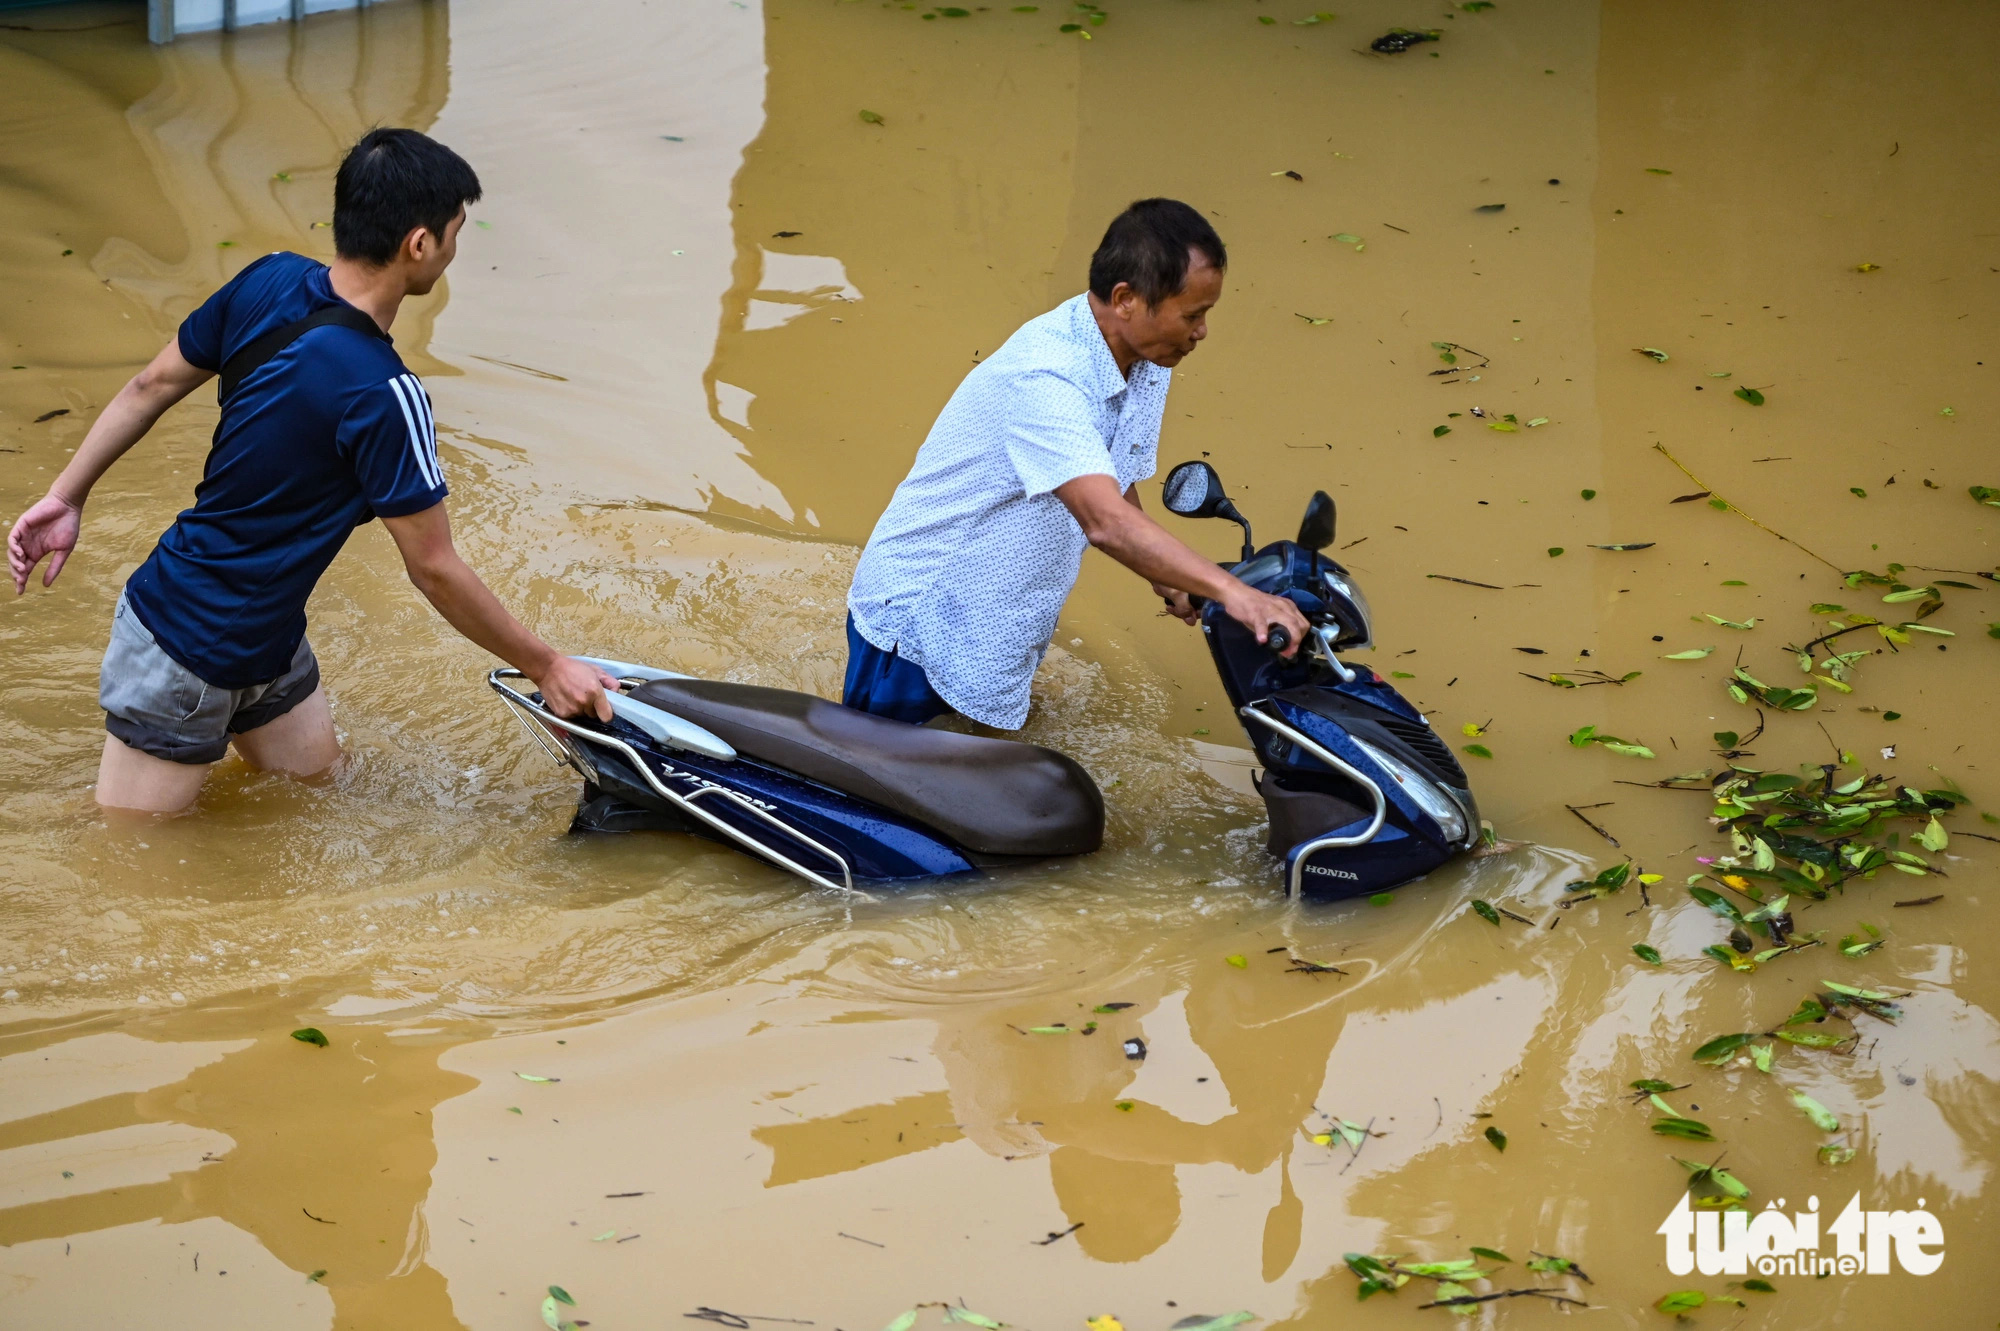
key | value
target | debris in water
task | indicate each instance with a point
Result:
(1135, 1049)
(51, 415)
(1398, 40)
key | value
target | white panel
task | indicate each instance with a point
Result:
(249, 12)
(197, 15)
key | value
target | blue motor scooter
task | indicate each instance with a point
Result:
(1362, 795)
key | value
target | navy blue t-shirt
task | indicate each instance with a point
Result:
(328, 434)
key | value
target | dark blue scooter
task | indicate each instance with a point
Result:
(1362, 795)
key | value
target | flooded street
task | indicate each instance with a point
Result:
(694, 335)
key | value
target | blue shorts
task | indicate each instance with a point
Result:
(884, 684)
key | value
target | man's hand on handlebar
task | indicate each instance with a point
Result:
(1261, 613)
(571, 688)
(1180, 605)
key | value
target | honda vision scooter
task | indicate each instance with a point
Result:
(1362, 795)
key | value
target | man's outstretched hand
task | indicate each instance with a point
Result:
(571, 688)
(48, 530)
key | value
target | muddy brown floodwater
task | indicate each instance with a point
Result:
(698, 331)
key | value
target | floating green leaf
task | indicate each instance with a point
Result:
(1381, 898)
(1112, 1007)
(1721, 1049)
(1555, 550)
(1497, 1137)
(902, 1321)
(310, 1035)
(1692, 654)
(1760, 1286)
(1745, 624)
(1589, 494)
(1681, 1301)
(1751, 395)
(1237, 960)
(873, 118)
(1439, 432)
(1822, 1117)
(1490, 1254)
(954, 1313)
(529, 1076)
(1654, 352)
(1479, 750)
(1647, 953)
(1985, 494)
(1831, 1154)
(1485, 911)
(561, 1295)
(1311, 19)
(1688, 1129)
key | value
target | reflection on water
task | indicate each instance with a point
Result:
(680, 368)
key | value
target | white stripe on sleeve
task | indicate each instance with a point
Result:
(416, 436)
(423, 404)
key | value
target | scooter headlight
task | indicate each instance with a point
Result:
(1441, 808)
(1361, 632)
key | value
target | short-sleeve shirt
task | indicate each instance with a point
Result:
(328, 434)
(969, 566)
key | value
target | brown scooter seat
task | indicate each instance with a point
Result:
(991, 796)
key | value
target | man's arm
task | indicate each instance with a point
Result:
(50, 528)
(570, 687)
(1114, 523)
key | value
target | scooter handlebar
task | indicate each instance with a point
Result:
(1277, 639)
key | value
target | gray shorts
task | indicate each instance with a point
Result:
(156, 705)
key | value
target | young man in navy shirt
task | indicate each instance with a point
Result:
(322, 430)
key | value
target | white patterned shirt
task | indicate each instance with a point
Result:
(970, 564)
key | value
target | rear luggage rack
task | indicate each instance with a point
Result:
(557, 737)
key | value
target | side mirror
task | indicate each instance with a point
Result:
(1193, 490)
(1316, 530)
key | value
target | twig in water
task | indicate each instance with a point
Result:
(310, 1216)
(1466, 582)
(1591, 825)
(1366, 1133)
(1053, 1236)
(1462, 1299)
(1922, 901)
(1440, 1123)
(858, 1239)
(1662, 450)
(1521, 919)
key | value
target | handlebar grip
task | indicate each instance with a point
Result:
(1278, 639)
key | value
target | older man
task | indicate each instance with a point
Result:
(1038, 454)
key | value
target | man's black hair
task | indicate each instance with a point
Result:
(1146, 247)
(393, 181)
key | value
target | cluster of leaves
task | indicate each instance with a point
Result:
(1386, 1275)
(1585, 736)
(1809, 834)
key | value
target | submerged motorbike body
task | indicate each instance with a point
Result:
(1362, 794)
(833, 795)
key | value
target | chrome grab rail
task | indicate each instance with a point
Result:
(1295, 887)
(525, 710)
